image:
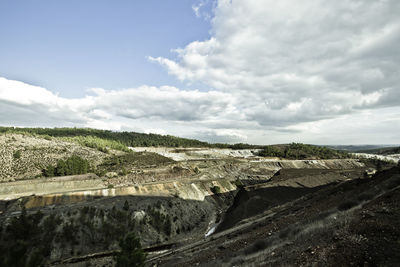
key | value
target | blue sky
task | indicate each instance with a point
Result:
(69, 46)
(255, 71)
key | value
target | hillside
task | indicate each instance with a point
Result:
(69, 195)
(125, 138)
(25, 156)
(302, 151)
(383, 151)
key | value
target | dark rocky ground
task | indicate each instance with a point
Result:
(297, 217)
(352, 223)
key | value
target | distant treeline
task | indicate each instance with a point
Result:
(383, 151)
(104, 139)
(132, 139)
(302, 151)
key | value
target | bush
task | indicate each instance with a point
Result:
(126, 205)
(131, 253)
(347, 205)
(17, 154)
(123, 171)
(216, 189)
(238, 183)
(257, 246)
(71, 166)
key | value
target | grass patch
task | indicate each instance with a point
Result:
(100, 144)
(124, 163)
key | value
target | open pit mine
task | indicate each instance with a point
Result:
(195, 207)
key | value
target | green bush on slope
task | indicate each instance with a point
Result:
(71, 166)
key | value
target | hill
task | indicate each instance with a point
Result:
(302, 151)
(123, 138)
(359, 148)
(383, 151)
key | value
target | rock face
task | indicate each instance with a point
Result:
(196, 190)
(187, 187)
(198, 153)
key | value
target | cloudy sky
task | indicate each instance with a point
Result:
(255, 71)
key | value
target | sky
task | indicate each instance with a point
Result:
(253, 71)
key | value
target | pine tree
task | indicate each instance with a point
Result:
(131, 254)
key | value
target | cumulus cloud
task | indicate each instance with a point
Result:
(146, 109)
(277, 71)
(200, 6)
(297, 61)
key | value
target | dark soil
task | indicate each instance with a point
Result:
(354, 223)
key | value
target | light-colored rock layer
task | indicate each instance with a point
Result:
(190, 191)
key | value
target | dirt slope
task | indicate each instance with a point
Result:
(351, 223)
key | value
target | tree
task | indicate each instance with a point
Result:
(131, 254)
(61, 168)
(126, 205)
(379, 165)
(49, 171)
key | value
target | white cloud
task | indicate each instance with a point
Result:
(163, 110)
(210, 116)
(199, 6)
(277, 71)
(298, 61)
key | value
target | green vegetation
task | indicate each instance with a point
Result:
(20, 241)
(239, 184)
(131, 254)
(72, 166)
(126, 205)
(159, 221)
(122, 140)
(88, 136)
(104, 140)
(17, 154)
(122, 164)
(216, 189)
(383, 151)
(100, 144)
(302, 151)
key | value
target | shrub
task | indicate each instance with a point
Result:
(257, 246)
(126, 205)
(49, 171)
(239, 184)
(131, 253)
(71, 166)
(17, 154)
(216, 189)
(123, 172)
(347, 205)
